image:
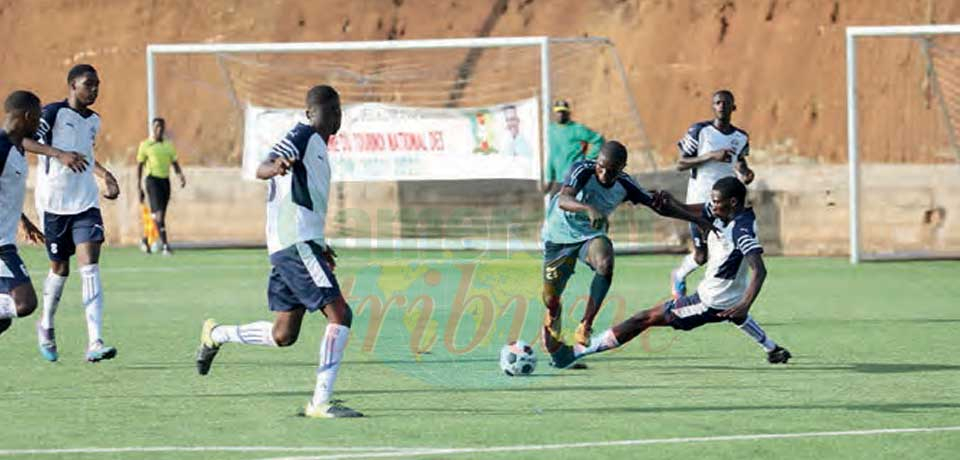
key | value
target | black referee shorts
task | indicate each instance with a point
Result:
(158, 193)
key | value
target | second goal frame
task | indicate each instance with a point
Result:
(853, 157)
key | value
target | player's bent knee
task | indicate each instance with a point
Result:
(339, 312)
(700, 257)
(25, 299)
(605, 266)
(60, 268)
(26, 308)
(284, 338)
(551, 301)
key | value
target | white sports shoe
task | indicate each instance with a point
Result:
(333, 409)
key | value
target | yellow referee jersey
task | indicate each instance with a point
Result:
(157, 156)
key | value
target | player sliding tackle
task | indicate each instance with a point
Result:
(726, 293)
(576, 228)
(301, 277)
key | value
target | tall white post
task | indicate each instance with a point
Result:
(852, 151)
(545, 103)
(151, 91)
(852, 157)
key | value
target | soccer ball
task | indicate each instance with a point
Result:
(517, 358)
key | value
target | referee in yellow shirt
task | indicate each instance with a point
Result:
(156, 155)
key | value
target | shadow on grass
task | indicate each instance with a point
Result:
(860, 368)
(857, 407)
(385, 391)
(818, 322)
(402, 362)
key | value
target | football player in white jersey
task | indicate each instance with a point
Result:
(735, 275)
(301, 277)
(17, 297)
(67, 198)
(710, 150)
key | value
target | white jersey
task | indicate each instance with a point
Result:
(13, 185)
(60, 190)
(702, 138)
(297, 202)
(726, 278)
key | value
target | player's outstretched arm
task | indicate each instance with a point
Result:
(73, 160)
(758, 274)
(33, 234)
(666, 205)
(113, 187)
(272, 167)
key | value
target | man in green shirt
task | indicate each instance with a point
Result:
(156, 155)
(570, 142)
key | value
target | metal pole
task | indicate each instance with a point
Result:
(852, 154)
(151, 91)
(544, 103)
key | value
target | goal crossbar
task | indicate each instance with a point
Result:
(542, 42)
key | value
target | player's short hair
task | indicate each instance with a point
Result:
(321, 95)
(21, 100)
(159, 120)
(731, 187)
(616, 150)
(79, 70)
(724, 92)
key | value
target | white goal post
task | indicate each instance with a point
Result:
(854, 157)
(562, 63)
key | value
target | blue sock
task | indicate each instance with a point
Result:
(752, 329)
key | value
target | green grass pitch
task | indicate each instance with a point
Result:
(875, 347)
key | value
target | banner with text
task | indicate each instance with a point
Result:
(382, 142)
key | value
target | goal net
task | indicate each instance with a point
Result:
(442, 141)
(903, 101)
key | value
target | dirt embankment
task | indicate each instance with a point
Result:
(784, 59)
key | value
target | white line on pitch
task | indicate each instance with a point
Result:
(631, 442)
(114, 450)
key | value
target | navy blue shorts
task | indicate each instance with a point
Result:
(13, 272)
(696, 235)
(64, 232)
(301, 278)
(688, 312)
(560, 261)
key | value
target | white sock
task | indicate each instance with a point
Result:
(331, 353)
(602, 342)
(52, 290)
(751, 328)
(92, 301)
(258, 333)
(8, 309)
(687, 266)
